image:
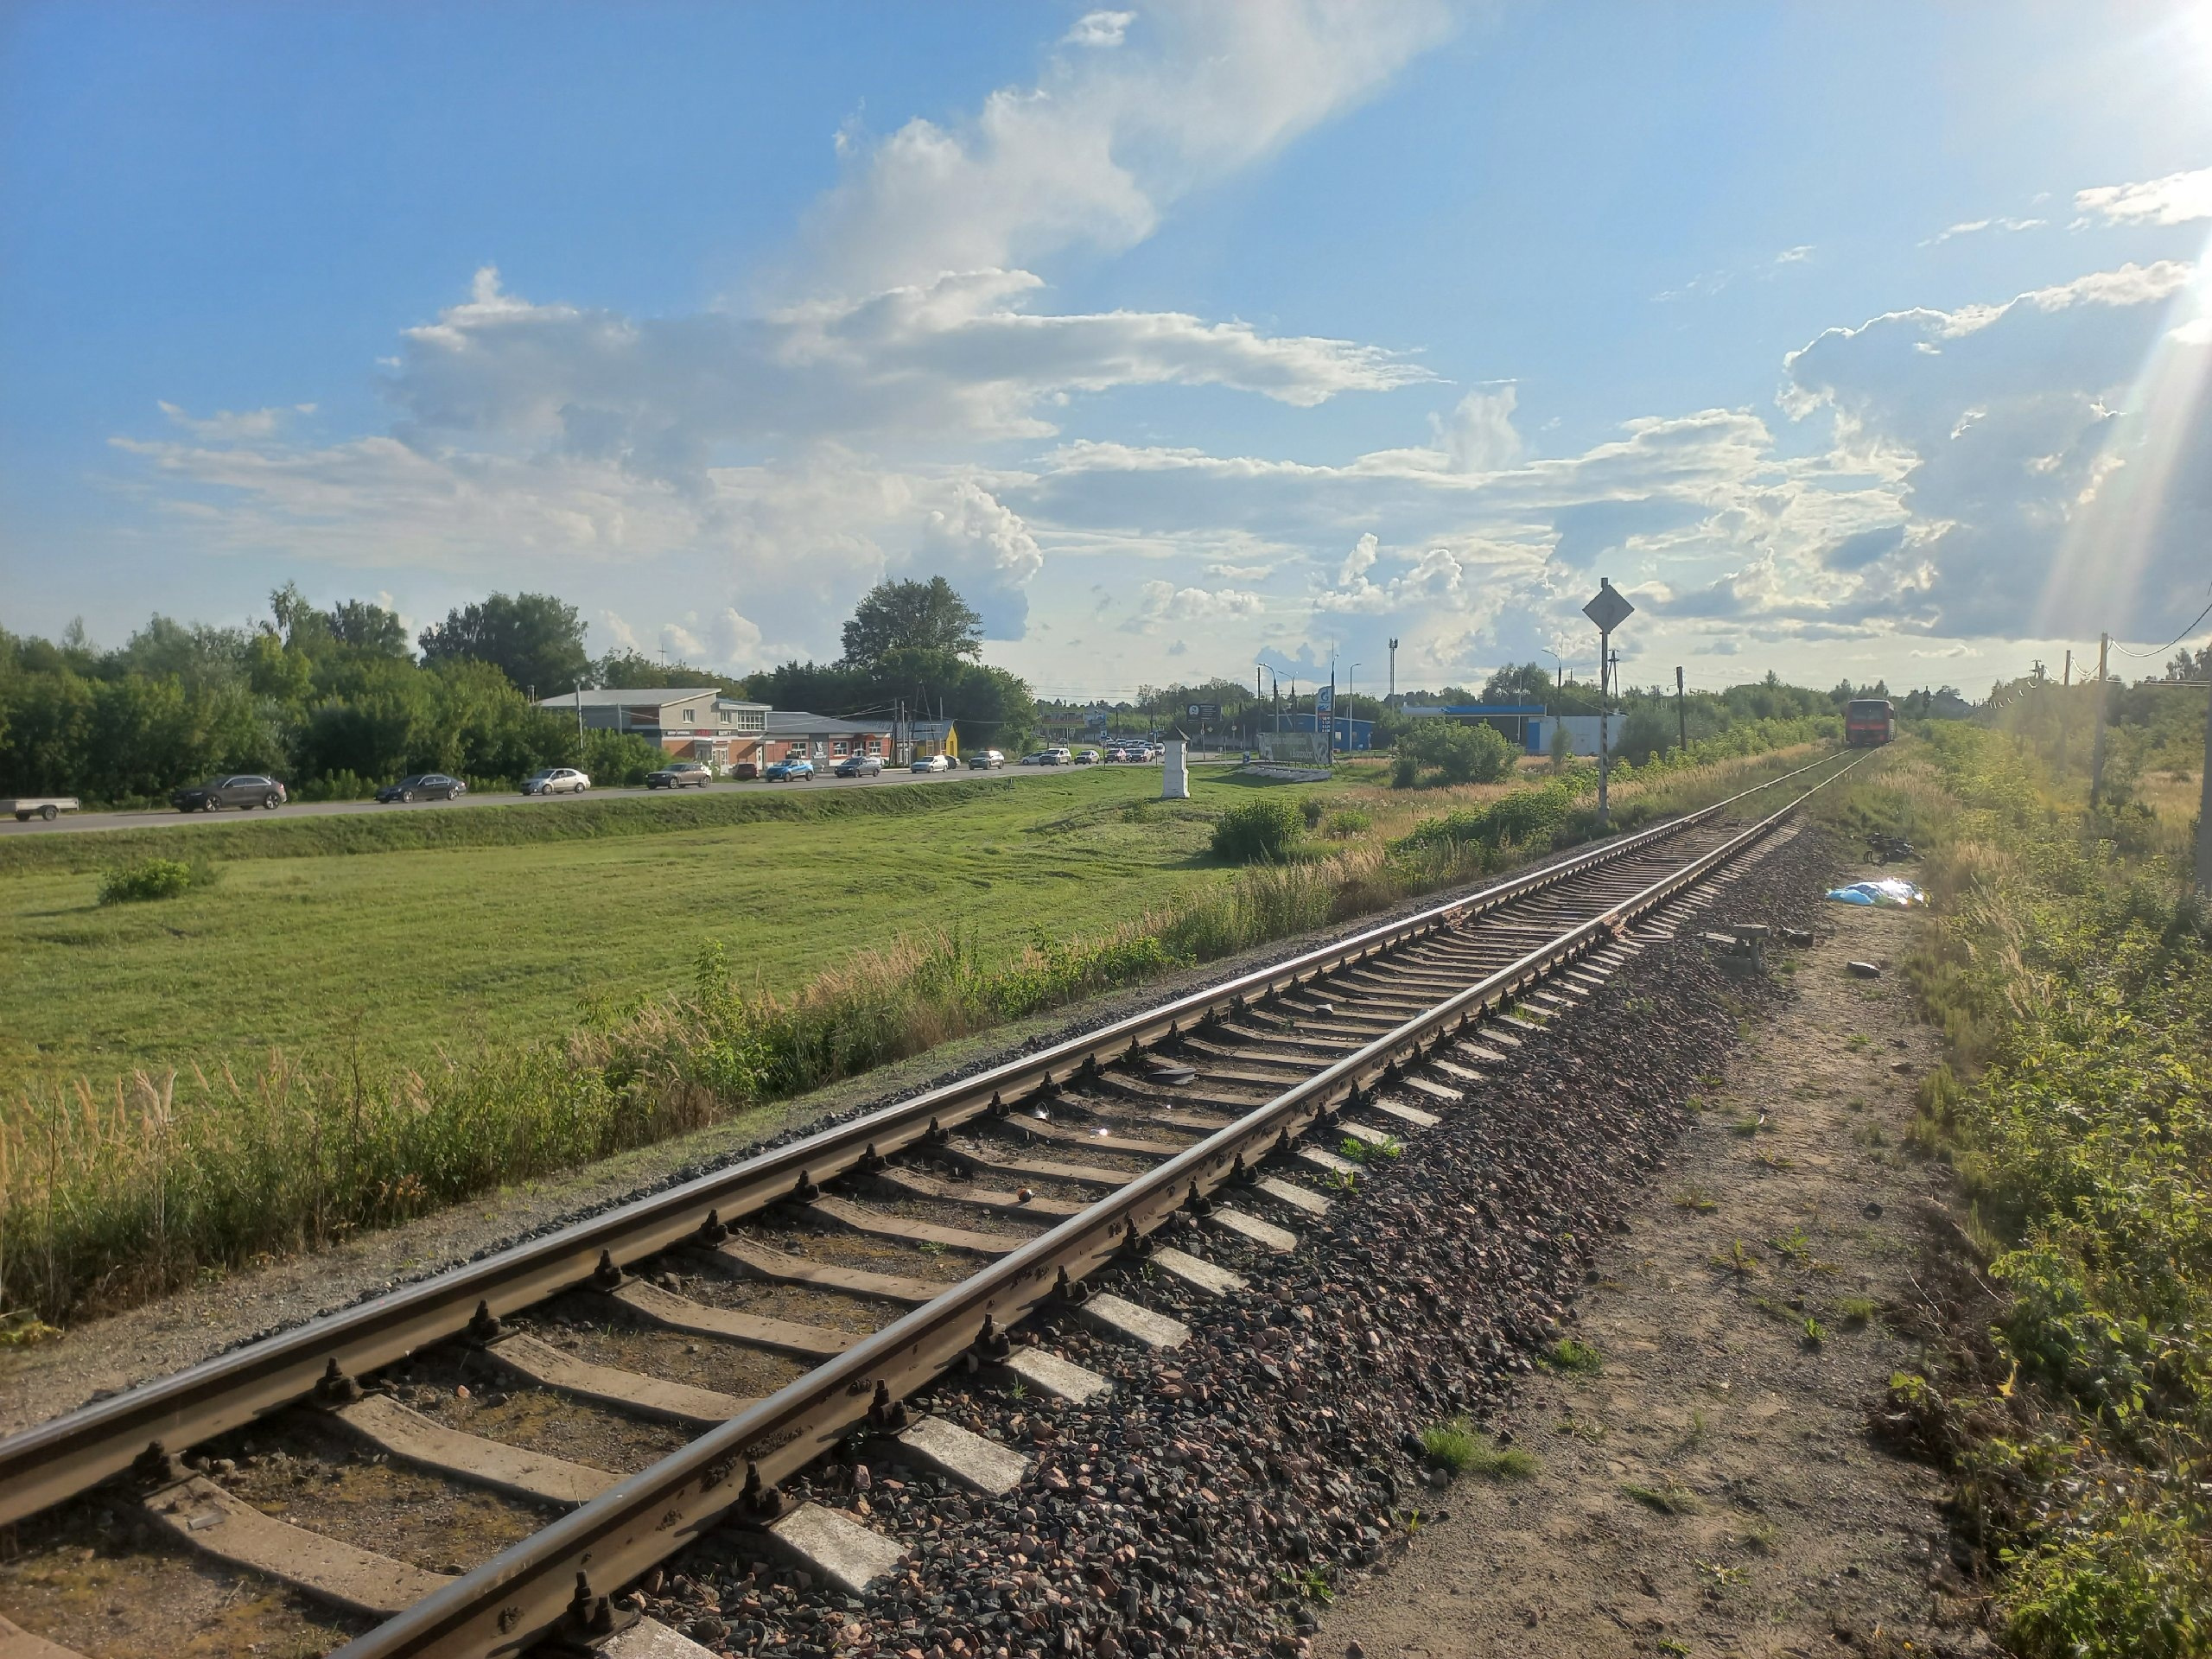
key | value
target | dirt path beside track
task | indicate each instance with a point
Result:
(1710, 1487)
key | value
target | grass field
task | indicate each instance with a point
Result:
(330, 1035)
(401, 951)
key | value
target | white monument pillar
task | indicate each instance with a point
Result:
(1174, 775)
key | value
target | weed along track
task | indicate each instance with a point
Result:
(879, 1359)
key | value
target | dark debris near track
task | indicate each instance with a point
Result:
(1228, 1487)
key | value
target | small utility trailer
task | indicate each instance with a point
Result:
(48, 807)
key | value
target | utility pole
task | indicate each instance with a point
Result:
(2204, 804)
(2064, 686)
(1681, 716)
(1392, 698)
(2097, 743)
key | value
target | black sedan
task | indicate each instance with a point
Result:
(424, 786)
(240, 789)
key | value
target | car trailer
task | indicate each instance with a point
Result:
(48, 807)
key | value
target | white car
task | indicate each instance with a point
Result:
(930, 763)
(556, 780)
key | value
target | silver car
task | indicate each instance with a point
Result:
(556, 780)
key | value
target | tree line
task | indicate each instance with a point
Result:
(335, 701)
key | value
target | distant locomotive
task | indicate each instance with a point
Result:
(1869, 723)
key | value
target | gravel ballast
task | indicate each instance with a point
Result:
(1228, 1487)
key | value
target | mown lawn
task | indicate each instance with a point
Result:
(401, 951)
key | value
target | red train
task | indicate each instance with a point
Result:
(1869, 723)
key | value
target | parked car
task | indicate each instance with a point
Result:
(930, 763)
(746, 770)
(860, 765)
(424, 786)
(795, 770)
(1086, 757)
(556, 780)
(243, 789)
(680, 774)
(1047, 757)
(986, 760)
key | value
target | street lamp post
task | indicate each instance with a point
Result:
(1351, 708)
(1608, 609)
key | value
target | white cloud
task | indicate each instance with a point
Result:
(1976, 226)
(226, 426)
(1359, 560)
(1099, 29)
(2174, 200)
(1094, 151)
(786, 454)
(2195, 331)
(1796, 256)
(1160, 603)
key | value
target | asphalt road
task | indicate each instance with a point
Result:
(78, 823)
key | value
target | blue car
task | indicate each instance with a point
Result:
(785, 771)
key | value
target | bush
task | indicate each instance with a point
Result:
(1454, 753)
(1528, 819)
(1262, 830)
(620, 759)
(1345, 822)
(1311, 808)
(1405, 771)
(149, 877)
(338, 786)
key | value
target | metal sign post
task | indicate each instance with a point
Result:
(1608, 610)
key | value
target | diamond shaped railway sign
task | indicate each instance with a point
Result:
(1608, 610)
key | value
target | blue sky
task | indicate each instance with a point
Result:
(1850, 342)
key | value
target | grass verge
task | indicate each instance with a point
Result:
(2075, 986)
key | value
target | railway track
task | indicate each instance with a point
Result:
(475, 1465)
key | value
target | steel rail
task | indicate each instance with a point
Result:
(43, 1465)
(535, 1589)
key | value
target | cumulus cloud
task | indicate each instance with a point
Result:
(2174, 200)
(1359, 560)
(1160, 603)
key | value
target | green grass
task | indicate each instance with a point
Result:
(2072, 979)
(1456, 1445)
(326, 1044)
(1571, 1354)
(405, 953)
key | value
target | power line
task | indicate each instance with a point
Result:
(2171, 643)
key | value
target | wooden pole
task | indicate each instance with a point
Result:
(1681, 716)
(2097, 743)
(2204, 801)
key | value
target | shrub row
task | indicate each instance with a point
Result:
(2075, 988)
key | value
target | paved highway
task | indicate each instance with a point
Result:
(78, 823)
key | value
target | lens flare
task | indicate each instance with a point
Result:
(2115, 524)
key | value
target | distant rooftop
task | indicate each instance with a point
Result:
(654, 695)
(797, 722)
(1477, 708)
